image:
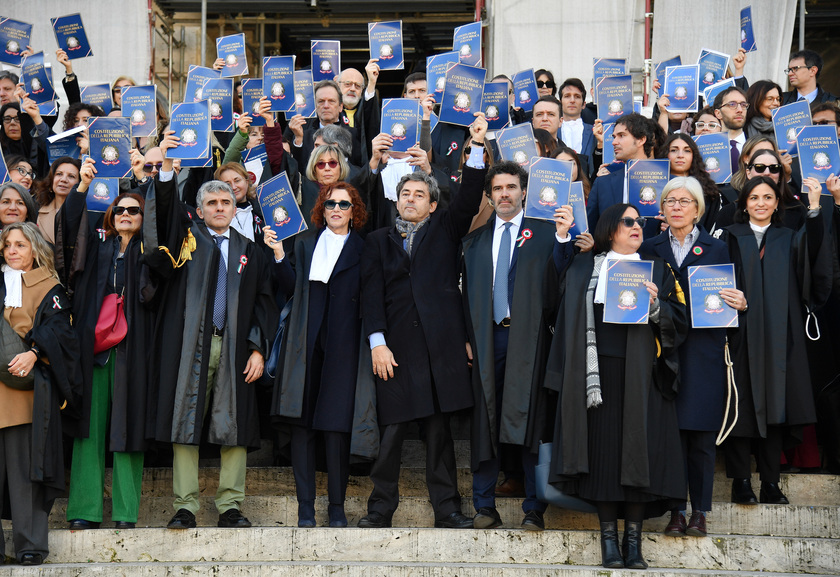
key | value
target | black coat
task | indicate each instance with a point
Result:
(416, 302)
(822, 96)
(524, 399)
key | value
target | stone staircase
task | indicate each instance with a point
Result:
(802, 538)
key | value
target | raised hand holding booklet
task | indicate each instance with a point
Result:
(101, 193)
(279, 82)
(606, 67)
(788, 120)
(231, 49)
(627, 299)
(645, 181)
(70, 36)
(715, 150)
(99, 95)
(386, 44)
(549, 185)
(517, 144)
(711, 92)
(466, 41)
(197, 77)
(401, 120)
(326, 59)
(615, 96)
(252, 91)
(36, 80)
(525, 90)
(747, 34)
(708, 310)
(681, 85)
(713, 66)
(110, 144)
(138, 105)
(462, 94)
(304, 95)
(436, 67)
(495, 105)
(659, 70)
(219, 92)
(279, 207)
(578, 203)
(14, 38)
(191, 123)
(819, 153)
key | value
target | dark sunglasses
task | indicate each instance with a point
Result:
(23, 172)
(629, 221)
(151, 166)
(773, 168)
(132, 210)
(546, 84)
(342, 204)
(825, 123)
(321, 164)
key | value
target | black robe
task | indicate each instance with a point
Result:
(525, 405)
(184, 328)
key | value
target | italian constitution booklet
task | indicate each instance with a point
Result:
(219, 92)
(191, 123)
(231, 49)
(645, 181)
(819, 154)
(401, 120)
(627, 300)
(436, 67)
(708, 311)
(110, 143)
(615, 97)
(517, 144)
(70, 36)
(462, 94)
(495, 105)
(788, 120)
(715, 150)
(549, 184)
(139, 106)
(279, 82)
(385, 40)
(326, 59)
(279, 207)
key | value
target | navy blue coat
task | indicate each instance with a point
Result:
(701, 393)
(606, 191)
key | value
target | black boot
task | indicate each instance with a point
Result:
(631, 545)
(610, 555)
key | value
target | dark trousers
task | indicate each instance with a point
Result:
(29, 518)
(768, 453)
(699, 456)
(441, 476)
(484, 479)
(304, 441)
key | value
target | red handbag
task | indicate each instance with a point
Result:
(111, 326)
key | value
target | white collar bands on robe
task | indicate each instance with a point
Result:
(14, 286)
(391, 175)
(243, 222)
(601, 287)
(326, 254)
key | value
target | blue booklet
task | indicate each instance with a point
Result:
(606, 67)
(819, 154)
(64, 144)
(220, 94)
(36, 80)
(609, 151)
(48, 108)
(304, 95)
(110, 143)
(615, 96)
(549, 184)
(681, 85)
(14, 38)
(462, 94)
(627, 300)
(433, 122)
(659, 70)
(578, 202)
(788, 120)
(191, 123)
(525, 93)
(101, 193)
(517, 144)
(198, 162)
(4, 172)
(713, 66)
(715, 150)
(326, 59)
(708, 310)
(495, 104)
(257, 152)
(252, 91)
(231, 49)
(279, 207)
(645, 181)
(386, 44)
(99, 95)
(70, 36)
(279, 82)
(711, 92)
(747, 34)
(436, 67)
(401, 120)
(197, 77)
(466, 41)
(138, 105)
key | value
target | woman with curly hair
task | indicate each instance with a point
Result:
(52, 191)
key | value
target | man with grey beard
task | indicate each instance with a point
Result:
(362, 118)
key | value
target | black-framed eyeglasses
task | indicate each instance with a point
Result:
(23, 172)
(794, 68)
(629, 221)
(760, 168)
(131, 210)
(683, 202)
(152, 166)
(342, 204)
(11, 119)
(546, 84)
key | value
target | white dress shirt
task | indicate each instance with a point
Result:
(516, 225)
(571, 132)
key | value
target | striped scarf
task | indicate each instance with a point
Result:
(593, 377)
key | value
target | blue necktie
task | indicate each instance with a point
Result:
(500, 282)
(220, 302)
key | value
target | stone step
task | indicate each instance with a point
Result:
(330, 569)
(725, 518)
(483, 548)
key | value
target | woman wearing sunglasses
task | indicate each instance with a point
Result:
(615, 380)
(327, 165)
(784, 273)
(106, 288)
(315, 389)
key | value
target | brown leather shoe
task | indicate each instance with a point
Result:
(510, 487)
(696, 524)
(676, 527)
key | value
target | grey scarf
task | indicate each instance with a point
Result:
(762, 125)
(408, 229)
(593, 376)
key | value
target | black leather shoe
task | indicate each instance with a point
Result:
(233, 519)
(124, 525)
(631, 546)
(31, 559)
(772, 495)
(82, 524)
(533, 521)
(183, 519)
(374, 521)
(487, 518)
(455, 520)
(742, 493)
(610, 555)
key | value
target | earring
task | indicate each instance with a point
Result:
(776, 209)
(745, 211)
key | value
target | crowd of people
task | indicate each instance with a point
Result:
(177, 319)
